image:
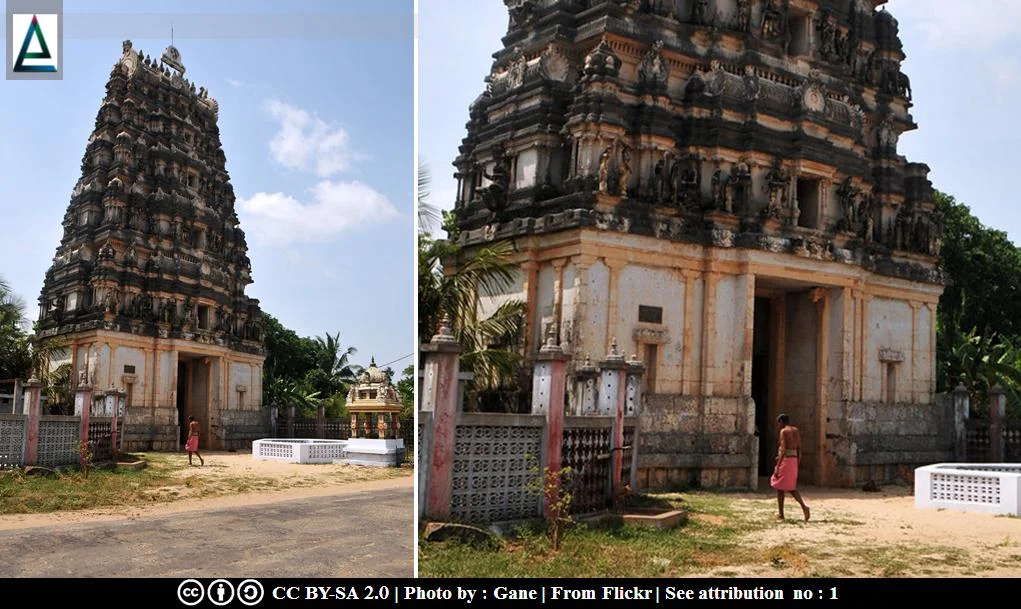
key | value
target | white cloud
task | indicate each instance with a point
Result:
(280, 219)
(236, 83)
(309, 143)
(952, 24)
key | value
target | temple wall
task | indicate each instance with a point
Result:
(152, 416)
(698, 426)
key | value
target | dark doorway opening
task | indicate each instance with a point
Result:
(760, 381)
(182, 400)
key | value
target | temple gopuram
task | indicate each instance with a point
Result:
(147, 287)
(715, 185)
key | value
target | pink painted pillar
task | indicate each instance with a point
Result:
(444, 352)
(85, 397)
(33, 406)
(549, 384)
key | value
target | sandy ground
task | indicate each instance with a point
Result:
(854, 533)
(271, 482)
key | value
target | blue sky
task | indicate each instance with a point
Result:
(964, 60)
(316, 120)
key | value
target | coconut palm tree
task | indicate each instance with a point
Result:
(490, 344)
(333, 360)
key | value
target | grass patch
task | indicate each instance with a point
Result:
(710, 540)
(168, 477)
(21, 494)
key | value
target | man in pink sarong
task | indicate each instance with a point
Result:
(785, 474)
(192, 445)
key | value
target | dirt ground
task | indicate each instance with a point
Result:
(231, 480)
(853, 533)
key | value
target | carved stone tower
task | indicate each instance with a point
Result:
(148, 283)
(716, 184)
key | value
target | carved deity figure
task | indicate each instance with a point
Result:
(624, 172)
(604, 169)
(495, 195)
(776, 184)
(688, 186)
(700, 12)
(848, 194)
(659, 180)
(653, 72)
(744, 16)
(751, 83)
(900, 229)
(774, 20)
(716, 187)
(827, 36)
(737, 186)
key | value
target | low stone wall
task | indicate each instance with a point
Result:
(239, 428)
(151, 429)
(694, 441)
(884, 443)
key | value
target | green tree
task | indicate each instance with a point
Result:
(15, 346)
(491, 344)
(288, 356)
(406, 389)
(984, 268)
(979, 319)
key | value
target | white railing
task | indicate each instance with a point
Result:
(299, 450)
(991, 488)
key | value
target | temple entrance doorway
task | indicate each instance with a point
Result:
(194, 384)
(784, 368)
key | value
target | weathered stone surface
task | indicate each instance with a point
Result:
(148, 281)
(700, 168)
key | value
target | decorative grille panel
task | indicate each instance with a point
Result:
(962, 487)
(12, 441)
(58, 442)
(493, 466)
(586, 450)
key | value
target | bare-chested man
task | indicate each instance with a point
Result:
(785, 474)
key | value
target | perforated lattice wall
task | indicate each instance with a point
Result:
(277, 450)
(12, 442)
(493, 467)
(963, 487)
(58, 442)
(326, 451)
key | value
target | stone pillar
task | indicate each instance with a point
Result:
(19, 398)
(33, 407)
(290, 421)
(354, 424)
(548, 387)
(120, 397)
(612, 389)
(610, 382)
(395, 425)
(381, 425)
(320, 421)
(633, 408)
(274, 412)
(962, 407)
(997, 411)
(84, 398)
(585, 389)
(444, 352)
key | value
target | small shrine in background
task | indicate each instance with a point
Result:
(374, 405)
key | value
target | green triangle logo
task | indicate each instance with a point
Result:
(44, 53)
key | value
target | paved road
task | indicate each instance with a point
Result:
(348, 534)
